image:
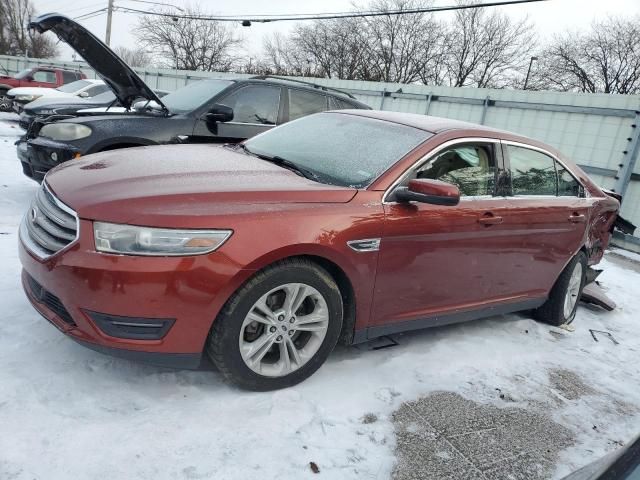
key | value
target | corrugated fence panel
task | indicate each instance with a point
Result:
(595, 130)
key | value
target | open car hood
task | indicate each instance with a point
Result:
(125, 83)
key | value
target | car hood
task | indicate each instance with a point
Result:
(164, 185)
(49, 92)
(125, 83)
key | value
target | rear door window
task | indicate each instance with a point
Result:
(303, 103)
(532, 172)
(44, 76)
(68, 77)
(254, 104)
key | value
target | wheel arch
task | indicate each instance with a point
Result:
(325, 258)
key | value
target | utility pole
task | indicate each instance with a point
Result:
(526, 80)
(107, 37)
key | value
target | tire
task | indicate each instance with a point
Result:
(5, 104)
(557, 310)
(234, 343)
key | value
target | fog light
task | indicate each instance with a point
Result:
(134, 328)
(54, 156)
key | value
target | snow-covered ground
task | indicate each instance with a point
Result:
(70, 413)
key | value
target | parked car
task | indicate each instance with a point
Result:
(43, 108)
(43, 76)
(85, 88)
(203, 111)
(621, 464)
(340, 225)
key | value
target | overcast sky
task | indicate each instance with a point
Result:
(549, 17)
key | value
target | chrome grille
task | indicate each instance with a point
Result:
(49, 225)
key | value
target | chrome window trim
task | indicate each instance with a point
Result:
(31, 245)
(418, 163)
(548, 153)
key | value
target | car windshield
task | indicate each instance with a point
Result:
(73, 86)
(104, 97)
(190, 97)
(340, 149)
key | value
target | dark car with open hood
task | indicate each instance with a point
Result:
(212, 110)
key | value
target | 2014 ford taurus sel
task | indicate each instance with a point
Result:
(340, 226)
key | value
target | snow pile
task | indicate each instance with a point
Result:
(68, 412)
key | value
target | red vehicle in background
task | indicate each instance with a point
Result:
(42, 76)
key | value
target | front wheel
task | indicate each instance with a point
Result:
(278, 328)
(562, 304)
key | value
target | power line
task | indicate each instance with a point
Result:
(95, 13)
(158, 3)
(247, 20)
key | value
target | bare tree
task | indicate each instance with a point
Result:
(337, 48)
(403, 48)
(486, 48)
(285, 56)
(134, 57)
(604, 59)
(190, 44)
(15, 38)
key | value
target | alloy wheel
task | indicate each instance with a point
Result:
(5, 104)
(284, 329)
(573, 290)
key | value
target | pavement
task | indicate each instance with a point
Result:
(445, 436)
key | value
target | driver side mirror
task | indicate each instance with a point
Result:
(425, 190)
(83, 94)
(219, 113)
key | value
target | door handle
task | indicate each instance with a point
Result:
(577, 218)
(489, 219)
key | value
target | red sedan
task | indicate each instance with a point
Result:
(341, 226)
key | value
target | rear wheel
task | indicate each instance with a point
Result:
(5, 103)
(279, 327)
(562, 304)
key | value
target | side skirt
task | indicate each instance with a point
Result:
(370, 333)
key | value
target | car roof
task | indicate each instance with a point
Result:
(314, 87)
(437, 125)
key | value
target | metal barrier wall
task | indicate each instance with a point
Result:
(600, 132)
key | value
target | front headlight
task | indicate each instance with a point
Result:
(45, 112)
(26, 98)
(65, 131)
(132, 240)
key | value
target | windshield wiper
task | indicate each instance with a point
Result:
(283, 162)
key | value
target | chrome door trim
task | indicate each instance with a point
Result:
(418, 163)
(365, 245)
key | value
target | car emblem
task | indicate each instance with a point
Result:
(33, 214)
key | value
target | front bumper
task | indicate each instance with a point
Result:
(39, 155)
(69, 287)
